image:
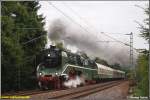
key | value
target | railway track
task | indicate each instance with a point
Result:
(84, 91)
(72, 93)
(27, 93)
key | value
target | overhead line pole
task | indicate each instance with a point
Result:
(131, 53)
(132, 67)
(131, 49)
(149, 65)
(149, 58)
(101, 32)
(93, 27)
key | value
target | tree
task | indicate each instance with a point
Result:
(142, 62)
(142, 75)
(18, 54)
(144, 29)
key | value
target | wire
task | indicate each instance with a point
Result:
(33, 39)
(139, 7)
(126, 44)
(94, 28)
(68, 16)
(77, 14)
(107, 41)
(28, 28)
(86, 22)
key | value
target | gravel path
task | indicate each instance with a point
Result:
(119, 92)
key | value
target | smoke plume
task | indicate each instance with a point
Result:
(73, 36)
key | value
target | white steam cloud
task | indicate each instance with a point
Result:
(74, 82)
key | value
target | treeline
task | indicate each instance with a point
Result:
(142, 75)
(20, 24)
(142, 62)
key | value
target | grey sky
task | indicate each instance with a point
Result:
(103, 16)
(96, 17)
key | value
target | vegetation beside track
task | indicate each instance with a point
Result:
(142, 63)
(20, 24)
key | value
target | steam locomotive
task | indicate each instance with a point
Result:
(61, 68)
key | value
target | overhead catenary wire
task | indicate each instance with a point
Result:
(28, 28)
(139, 7)
(31, 28)
(86, 22)
(34, 39)
(116, 40)
(101, 32)
(73, 11)
(67, 16)
(78, 23)
(73, 22)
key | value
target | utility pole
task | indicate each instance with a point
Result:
(132, 67)
(149, 66)
(149, 63)
(149, 60)
(131, 54)
(131, 51)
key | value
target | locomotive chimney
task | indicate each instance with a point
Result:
(52, 47)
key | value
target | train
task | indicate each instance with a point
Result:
(61, 68)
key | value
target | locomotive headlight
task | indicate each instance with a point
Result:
(48, 55)
(41, 74)
(56, 73)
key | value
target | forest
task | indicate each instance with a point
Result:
(143, 61)
(20, 24)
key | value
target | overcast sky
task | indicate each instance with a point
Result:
(85, 22)
(101, 16)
